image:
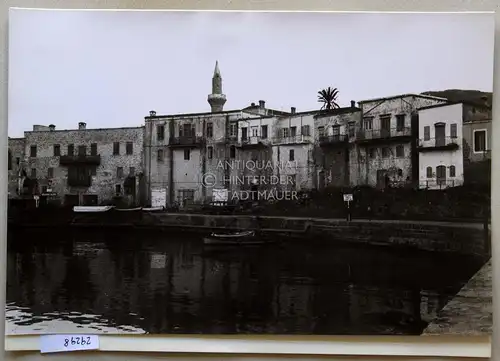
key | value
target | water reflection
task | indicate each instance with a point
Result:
(160, 284)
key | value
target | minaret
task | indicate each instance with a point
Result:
(216, 99)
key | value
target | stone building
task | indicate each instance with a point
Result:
(15, 166)
(335, 134)
(82, 166)
(386, 139)
(440, 146)
(181, 150)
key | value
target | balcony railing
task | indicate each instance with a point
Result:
(366, 135)
(297, 139)
(443, 143)
(186, 141)
(436, 184)
(253, 141)
(80, 159)
(79, 181)
(336, 139)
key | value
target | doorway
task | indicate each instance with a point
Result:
(440, 134)
(441, 175)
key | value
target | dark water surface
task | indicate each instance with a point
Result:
(166, 284)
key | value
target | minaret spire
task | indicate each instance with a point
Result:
(216, 99)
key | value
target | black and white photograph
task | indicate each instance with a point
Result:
(272, 173)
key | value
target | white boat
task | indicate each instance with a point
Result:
(91, 209)
(128, 209)
(153, 209)
(236, 238)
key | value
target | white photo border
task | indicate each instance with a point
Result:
(423, 346)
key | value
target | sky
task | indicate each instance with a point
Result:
(110, 68)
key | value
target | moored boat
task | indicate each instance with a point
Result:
(242, 238)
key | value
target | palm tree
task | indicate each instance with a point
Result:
(328, 97)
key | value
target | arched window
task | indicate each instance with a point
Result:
(452, 171)
(429, 172)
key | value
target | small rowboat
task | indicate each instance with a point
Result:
(236, 238)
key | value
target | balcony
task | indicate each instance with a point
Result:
(186, 141)
(372, 136)
(253, 142)
(438, 144)
(337, 140)
(94, 160)
(297, 139)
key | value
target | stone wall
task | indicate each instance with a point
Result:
(50, 174)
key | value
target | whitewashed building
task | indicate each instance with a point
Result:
(440, 148)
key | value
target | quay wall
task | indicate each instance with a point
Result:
(463, 238)
(432, 236)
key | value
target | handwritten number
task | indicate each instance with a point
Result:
(83, 341)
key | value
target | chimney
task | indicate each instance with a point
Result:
(152, 113)
(82, 126)
(293, 110)
(52, 127)
(353, 104)
(252, 105)
(262, 104)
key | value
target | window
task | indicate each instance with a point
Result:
(50, 172)
(118, 189)
(82, 150)
(336, 130)
(129, 148)
(291, 155)
(33, 151)
(368, 123)
(9, 161)
(429, 172)
(159, 156)
(119, 172)
(400, 151)
(186, 130)
(306, 130)
(480, 141)
(263, 132)
(71, 149)
(321, 131)
(232, 152)
(400, 122)
(233, 129)
(453, 130)
(452, 171)
(244, 133)
(18, 160)
(385, 152)
(210, 152)
(187, 154)
(210, 130)
(93, 149)
(255, 131)
(350, 129)
(160, 132)
(57, 150)
(371, 153)
(131, 171)
(293, 131)
(33, 173)
(427, 132)
(286, 132)
(116, 148)
(185, 195)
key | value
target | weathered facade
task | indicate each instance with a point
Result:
(477, 128)
(16, 164)
(187, 156)
(83, 166)
(386, 139)
(335, 135)
(440, 146)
